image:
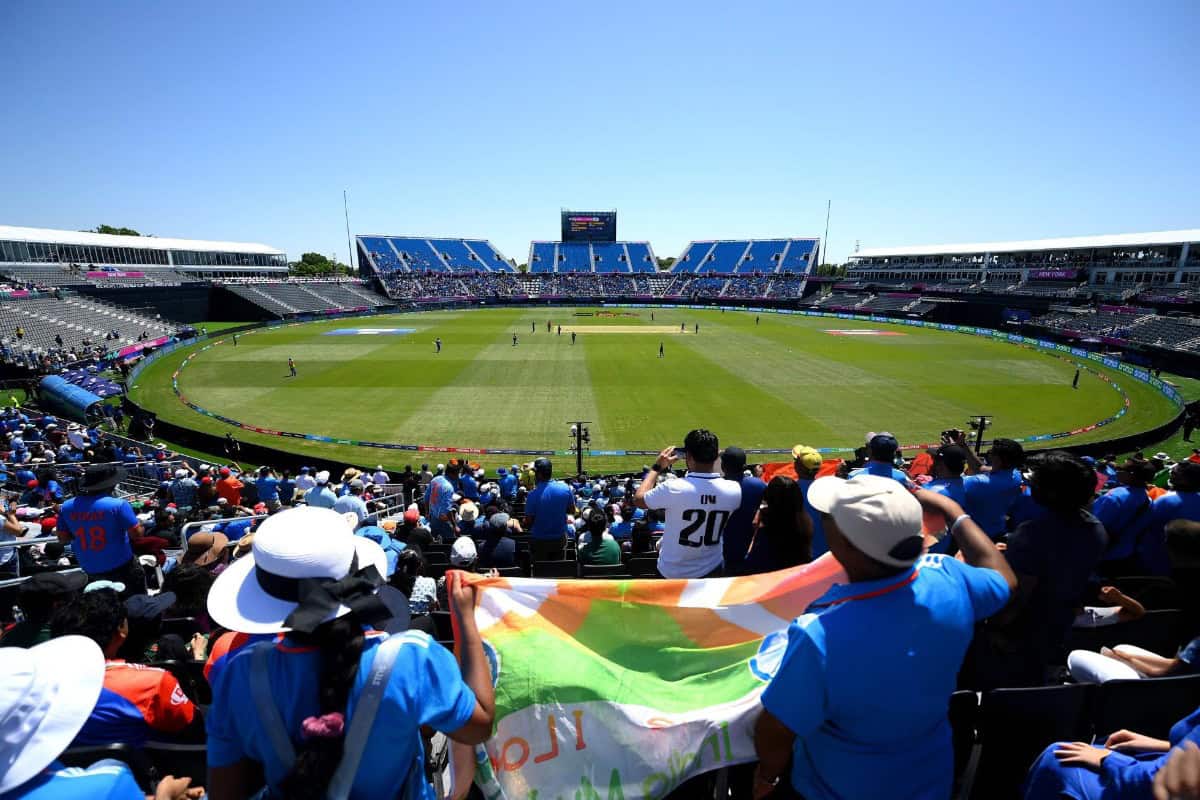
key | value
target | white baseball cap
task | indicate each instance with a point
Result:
(323, 476)
(47, 694)
(877, 515)
(463, 552)
(256, 594)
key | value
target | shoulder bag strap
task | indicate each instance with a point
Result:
(364, 717)
(268, 713)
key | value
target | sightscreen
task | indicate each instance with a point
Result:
(589, 226)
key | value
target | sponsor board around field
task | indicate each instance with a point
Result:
(860, 332)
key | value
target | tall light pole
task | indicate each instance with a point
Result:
(580, 436)
(349, 244)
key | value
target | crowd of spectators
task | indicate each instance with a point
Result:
(238, 612)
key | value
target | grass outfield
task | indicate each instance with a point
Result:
(783, 381)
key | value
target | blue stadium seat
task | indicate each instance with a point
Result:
(724, 257)
(641, 258)
(694, 256)
(489, 257)
(800, 255)
(610, 257)
(574, 257)
(418, 254)
(456, 254)
(541, 257)
(764, 256)
(381, 254)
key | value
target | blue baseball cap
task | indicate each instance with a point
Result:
(501, 471)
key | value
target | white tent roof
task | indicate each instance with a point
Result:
(1068, 243)
(11, 233)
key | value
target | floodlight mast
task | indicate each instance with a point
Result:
(579, 437)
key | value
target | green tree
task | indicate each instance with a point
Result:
(315, 265)
(114, 231)
(522, 268)
(665, 264)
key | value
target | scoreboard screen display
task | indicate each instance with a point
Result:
(589, 226)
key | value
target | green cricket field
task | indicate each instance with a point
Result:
(758, 381)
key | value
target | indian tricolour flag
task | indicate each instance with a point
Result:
(624, 689)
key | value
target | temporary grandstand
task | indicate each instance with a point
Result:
(746, 256)
(1048, 267)
(591, 257)
(46, 257)
(379, 255)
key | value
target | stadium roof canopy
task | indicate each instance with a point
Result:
(1068, 243)
(49, 236)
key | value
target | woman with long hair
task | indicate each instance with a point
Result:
(782, 535)
(332, 708)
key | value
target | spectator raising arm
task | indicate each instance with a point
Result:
(977, 549)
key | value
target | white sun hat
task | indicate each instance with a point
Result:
(47, 694)
(878, 515)
(258, 592)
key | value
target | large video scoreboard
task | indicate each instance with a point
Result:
(589, 226)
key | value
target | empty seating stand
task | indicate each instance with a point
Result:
(294, 297)
(388, 254)
(748, 256)
(74, 318)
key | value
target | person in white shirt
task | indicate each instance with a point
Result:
(304, 481)
(697, 508)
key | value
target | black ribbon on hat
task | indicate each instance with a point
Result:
(319, 598)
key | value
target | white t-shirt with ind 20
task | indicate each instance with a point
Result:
(698, 506)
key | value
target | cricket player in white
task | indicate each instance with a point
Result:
(698, 505)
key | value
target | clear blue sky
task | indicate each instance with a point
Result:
(922, 122)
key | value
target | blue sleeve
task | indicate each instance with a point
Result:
(430, 676)
(224, 748)
(796, 695)
(986, 588)
(1129, 776)
(124, 787)
(1105, 509)
(125, 516)
(531, 502)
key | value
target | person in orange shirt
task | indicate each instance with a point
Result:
(229, 487)
(137, 702)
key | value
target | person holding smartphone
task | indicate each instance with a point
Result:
(697, 506)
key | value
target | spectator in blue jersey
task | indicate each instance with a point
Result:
(47, 695)
(439, 500)
(286, 488)
(993, 490)
(782, 533)
(949, 461)
(353, 503)
(267, 486)
(468, 486)
(881, 458)
(320, 495)
(509, 481)
(901, 620)
(1181, 504)
(546, 510)
(735, 541)
(101, 530)
(49, 488)
(184, 488)
(1125, 514)
(309, 578)
(807, 463)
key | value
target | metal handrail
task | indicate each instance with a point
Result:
(18, 581)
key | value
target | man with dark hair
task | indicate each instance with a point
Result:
(880, 651)
(698, 507)
(881, 450)
(1181, 504)
(1053, 556)
(740, 527)
(546, 510)
(101, 530)
(1125, 514)
(137, 701)
(949, 461)
(992, 490)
